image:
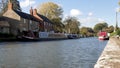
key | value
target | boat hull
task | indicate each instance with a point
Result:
(103, 38)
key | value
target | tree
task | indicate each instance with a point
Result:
(83, 31)
(111, 29)
(100, 26)
(86, 31)
(16, 5)
(50, 10)
(3, 6)
(58, 25)
(53, 12)
(72, 25)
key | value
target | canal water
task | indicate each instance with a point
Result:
(73, 53)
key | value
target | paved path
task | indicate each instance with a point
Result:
(110, 57)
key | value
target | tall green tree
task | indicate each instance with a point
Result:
(54, 12)
(72, 25)
(58, 25)
(111, 29)
(50, 10)
(86, 31)
(100, 26)
(16, 5)
(3, 6)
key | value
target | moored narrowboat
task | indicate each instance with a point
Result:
(102, 35)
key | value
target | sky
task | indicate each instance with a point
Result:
(88, 12)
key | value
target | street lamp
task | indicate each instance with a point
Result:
(117, 11)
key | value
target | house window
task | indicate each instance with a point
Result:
(24, 29)
(4, 29)
(44, 23)
(30, 22)
(24, 20)
(1, 29)
(30, 25)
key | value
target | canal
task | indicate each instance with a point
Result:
(73, 53)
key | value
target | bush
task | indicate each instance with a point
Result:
(116, 33)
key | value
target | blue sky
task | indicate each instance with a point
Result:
(89, 12)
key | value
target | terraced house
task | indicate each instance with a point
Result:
(20, 23)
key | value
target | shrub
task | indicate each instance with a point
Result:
(117, 32)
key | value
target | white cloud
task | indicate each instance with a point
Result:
(75, 12)
(26, 3)
(86, 20)
(90, 14)
(100, 20)
(90, 21)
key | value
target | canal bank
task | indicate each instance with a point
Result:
(43, 36)
(110, 57)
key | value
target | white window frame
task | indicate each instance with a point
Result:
(30, 21)
(24, 20)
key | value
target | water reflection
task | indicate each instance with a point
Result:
(78, 53)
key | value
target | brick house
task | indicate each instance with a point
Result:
(4, 25)
(18, 22)
(45, 24)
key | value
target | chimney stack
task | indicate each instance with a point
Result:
(10, 5)
(35, 12)
(31, 11)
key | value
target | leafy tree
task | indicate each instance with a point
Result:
(86, 31)
(100, 26)
(3, 6)
(72, 25)
(16, 5)
(117, 32)
(58, 26)
(53, 12)
(50, 10)
(110, 29)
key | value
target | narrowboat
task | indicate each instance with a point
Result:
(102, 35)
